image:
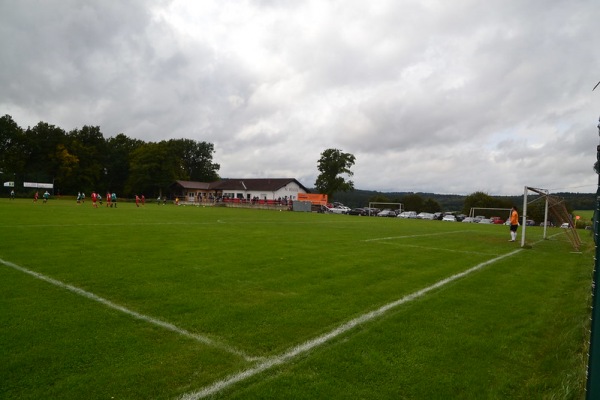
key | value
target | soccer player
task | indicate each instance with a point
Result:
(94, 199)
(108, 197)
(514, 224)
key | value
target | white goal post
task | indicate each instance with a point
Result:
(374, 204)
(556, 206)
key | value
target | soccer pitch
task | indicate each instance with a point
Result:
(166, 302)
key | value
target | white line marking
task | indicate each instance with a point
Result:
(311, 344)
(437, 249)
(413, 236)
(154, 321)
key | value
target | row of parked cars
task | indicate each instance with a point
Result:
(338, 208)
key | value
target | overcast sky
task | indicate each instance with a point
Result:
(429, 95)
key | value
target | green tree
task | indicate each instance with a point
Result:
(67, 164)
(431, 206)
(153, 167)
(196, 159)
(12, 148)
(379, 198)
(332, 165)
(89, 147)
(483, 200)
(41, 144)
(413, 202)
(116, 170)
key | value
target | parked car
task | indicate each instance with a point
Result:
(438, 216)
(460, 217)
(549, 223)
(386, 213)
(485, 221)
(449, 218)
(408, 214)
(497, 220)
(530, 222)
(469, 219)
(372, 211)
(478, 218)
(565, 225)
(338, 209)
(357, 211)
(425, 215)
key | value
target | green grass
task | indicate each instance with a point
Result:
(261, 282)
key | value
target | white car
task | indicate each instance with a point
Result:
(565, 225)
(386, 213)
(338, 210)
(408, 214)
(425, 215)
(449, 218)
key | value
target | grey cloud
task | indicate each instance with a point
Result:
(447, 97)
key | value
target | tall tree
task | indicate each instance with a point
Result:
(332, 165)
(12, 148)
(42, 142)
(153, 167)
(116, 170)
(431, 206)
(89, 146)
(483, 200)
(196, 159)
(413, 202)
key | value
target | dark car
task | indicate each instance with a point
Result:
(358, 211)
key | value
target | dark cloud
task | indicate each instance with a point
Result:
(429, 96)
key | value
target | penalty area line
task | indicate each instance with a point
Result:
(313, 343)
(413, 236)
(157, 322)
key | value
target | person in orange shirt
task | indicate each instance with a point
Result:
(514, 224)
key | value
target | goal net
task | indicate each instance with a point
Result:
(556, 208)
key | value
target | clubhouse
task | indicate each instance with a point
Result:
(260, 190)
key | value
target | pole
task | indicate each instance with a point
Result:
(546, 216)
(524, 223)
(593, 373)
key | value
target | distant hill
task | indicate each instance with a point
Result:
(454, 202)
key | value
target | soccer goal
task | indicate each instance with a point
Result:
(392, 206)
(555, 206)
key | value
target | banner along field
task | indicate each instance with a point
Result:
(165, 302)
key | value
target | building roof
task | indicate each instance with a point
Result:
(193, 185)
(255, 184)
(260, 184)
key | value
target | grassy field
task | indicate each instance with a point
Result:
(166, 302)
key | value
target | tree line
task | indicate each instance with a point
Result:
(84, 160)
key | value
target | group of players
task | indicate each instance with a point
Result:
(111, 199)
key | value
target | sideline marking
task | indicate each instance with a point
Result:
(154, 321)
(311, 344)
